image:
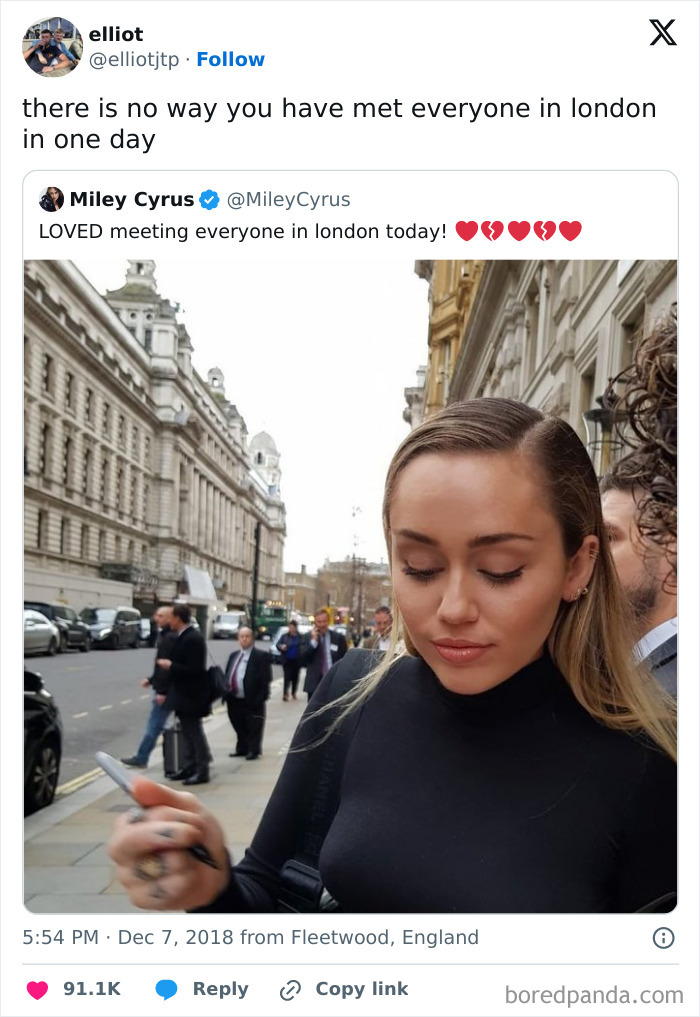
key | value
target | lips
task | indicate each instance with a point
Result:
(460, 651)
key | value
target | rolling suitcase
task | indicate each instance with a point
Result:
(173, 748)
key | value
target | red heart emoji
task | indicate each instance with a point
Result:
(545, 230)
(492, 230)
(570, 230)
(37, 989)
(466, 230)
(518, 230)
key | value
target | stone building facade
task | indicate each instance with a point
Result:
(552, 333)
(452, 286)
(136, 469)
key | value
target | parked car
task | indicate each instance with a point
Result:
(40, 635)
(43, 743)
(303, 630)
(227, 624)
(72, 631)
(144, 631)
(113, 627)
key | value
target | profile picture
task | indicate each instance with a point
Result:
(51, 199)
(52, 47)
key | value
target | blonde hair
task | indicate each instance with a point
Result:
(590, 641)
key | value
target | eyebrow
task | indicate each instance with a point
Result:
(484, 541)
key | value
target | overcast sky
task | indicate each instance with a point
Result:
(318, 354)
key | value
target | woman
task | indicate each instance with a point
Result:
(290, 646)
(52, 201)
(511, 758)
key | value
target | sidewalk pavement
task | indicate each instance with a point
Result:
(66, 867)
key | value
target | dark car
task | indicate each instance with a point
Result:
(73, 633)
(43, 740)
(113, 627)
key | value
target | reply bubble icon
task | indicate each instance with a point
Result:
(166, 988)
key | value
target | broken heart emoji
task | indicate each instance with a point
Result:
(492, 230)
(544, 230)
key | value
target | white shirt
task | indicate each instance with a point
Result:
(239, 666)
(658, 635)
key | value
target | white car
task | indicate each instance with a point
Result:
(227, 624)
(40, 635)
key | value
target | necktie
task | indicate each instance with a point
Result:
(234, 672)
(324, 662)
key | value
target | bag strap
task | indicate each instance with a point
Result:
(324, 805)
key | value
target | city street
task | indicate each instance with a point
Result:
(102, 703)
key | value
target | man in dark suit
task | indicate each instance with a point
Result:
(188, 694)
(159, 681)
(322, 649)
(249, 674)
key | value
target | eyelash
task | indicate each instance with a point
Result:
(493, 578)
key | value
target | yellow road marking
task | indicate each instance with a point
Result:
(78, 782)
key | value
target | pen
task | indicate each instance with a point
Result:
(120, 777)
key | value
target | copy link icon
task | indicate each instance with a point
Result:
(663, 938)
(290, 990)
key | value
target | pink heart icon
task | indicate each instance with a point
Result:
(37, 989)
(570, 230)
(545, 230)
(492, 230)
(466, 230)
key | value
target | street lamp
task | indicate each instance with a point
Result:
(599, 423)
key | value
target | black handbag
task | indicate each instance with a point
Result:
(301, 886)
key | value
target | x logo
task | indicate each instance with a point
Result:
(663, 32)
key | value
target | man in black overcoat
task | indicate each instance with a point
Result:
(188, 694)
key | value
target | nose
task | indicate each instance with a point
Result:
(459, 602)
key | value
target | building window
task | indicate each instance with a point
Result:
(145, 502)
(48, 375)
(259, 459)
(102, 546)
(106, 419)
(42, 530)
(88, 406)
(148, 339)
(147, 452)
(85, 542)
(45, 450)
(121, 432)
(135, 442)
(70, 391)
(117, 548)
(67, 461)
(132, 496)
(87, 467)
(120, 489)
(65, 534)
(27, 362)
(144, 553)
(130, 553)
(104, 482)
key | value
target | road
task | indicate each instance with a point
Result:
(101, 702)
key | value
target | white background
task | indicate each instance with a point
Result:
(364, 51)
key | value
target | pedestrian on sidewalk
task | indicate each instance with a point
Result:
(290, 649)
(381, 640)
(159, 682)
(321, 650)
(188, 694)
(249, 675)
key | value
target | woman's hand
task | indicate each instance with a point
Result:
(152, 863)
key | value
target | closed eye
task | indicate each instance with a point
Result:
(499, 578)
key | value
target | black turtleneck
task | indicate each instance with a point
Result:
(512, 800)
